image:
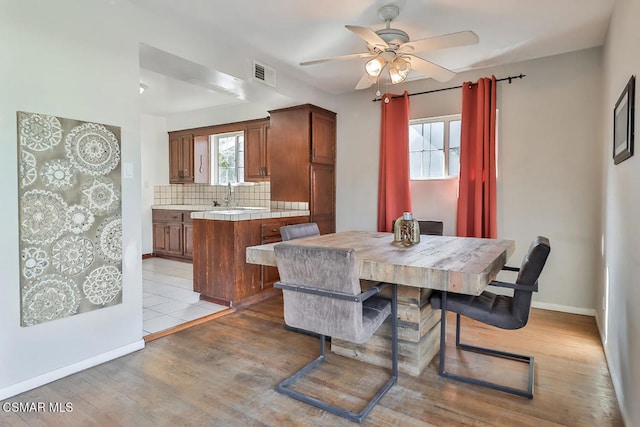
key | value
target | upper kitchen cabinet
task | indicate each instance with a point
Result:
(256, 160)
(180, 158)
(188, 158)
(303, 147)
(323, 137)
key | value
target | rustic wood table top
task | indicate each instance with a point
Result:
(456, 264)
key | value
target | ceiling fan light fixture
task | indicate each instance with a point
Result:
(374, 66)
(399, 70)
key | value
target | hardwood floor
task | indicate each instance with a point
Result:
(223, 373)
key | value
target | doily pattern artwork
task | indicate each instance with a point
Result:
(57, 174)
(100, 195)
(39, 132)
(28, 171)
(48, 298)
(80, 219)
(72, 255)
(43, 216)
(70, 218)
(93, 149)
(34, 262)
(103, 285)
(110, 239)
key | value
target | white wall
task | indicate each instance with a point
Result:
(548, 159)
(620, 260)
(63, 66)
(154, 146)
(80, 59)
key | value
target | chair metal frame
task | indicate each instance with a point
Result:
(283, 387)
(528, 392)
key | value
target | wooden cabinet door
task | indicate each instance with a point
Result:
(187, 239)
(181, 159)
(160, 242)
(289, 152)
(322, 205)
(174, 238)
(186, 142)
(267, 152)
(167, 238)
(323, 137)
(254, 154)
(175, 160)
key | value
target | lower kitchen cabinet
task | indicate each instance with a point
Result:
(220, 271)
(172, 234)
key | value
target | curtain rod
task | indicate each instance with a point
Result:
(510, 78)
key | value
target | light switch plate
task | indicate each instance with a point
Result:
(127, 170)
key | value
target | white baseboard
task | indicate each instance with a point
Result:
(43, 379)
(564, 308)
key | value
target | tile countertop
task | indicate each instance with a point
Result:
(238, 213)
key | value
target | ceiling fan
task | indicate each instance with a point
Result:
(392, 47)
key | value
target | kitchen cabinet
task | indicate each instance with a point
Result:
(256, 156)
(303, 146)
(188, 158)
(190, 151)
(181, 159)
(220, 271)
(322, 203)
(172, 234)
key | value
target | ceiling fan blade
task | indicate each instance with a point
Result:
(366, 81)
(340, 58)
(368, 35)
(462, 38)
(430, 69)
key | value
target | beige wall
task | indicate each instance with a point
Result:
(549, 162)
(620, 258)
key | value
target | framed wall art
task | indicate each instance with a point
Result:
(623, 117)
(69, 206)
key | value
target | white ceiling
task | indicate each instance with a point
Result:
(288, 32)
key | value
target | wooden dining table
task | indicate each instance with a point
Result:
(454, 264)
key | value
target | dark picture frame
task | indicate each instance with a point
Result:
(623, 117)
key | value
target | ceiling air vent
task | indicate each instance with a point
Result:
(264, 74)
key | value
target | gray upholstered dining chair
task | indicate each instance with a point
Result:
(427, 227)
(501, 311)
(298, 231)
(322, 294)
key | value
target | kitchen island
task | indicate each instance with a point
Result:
(220, 238)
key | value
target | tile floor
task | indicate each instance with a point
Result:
(168, 299)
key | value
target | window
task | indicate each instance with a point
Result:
(227, 158)
(434, 147)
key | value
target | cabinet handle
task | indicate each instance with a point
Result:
(200, 169)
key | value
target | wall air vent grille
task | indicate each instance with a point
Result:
(264, 74)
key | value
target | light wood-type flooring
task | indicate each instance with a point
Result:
(223, 373)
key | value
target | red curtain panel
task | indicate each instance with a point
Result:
(477, 194)
(394, 191)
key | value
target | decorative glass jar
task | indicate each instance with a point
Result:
(406, 229)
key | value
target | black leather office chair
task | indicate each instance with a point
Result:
(322, 294)
(433, 228)
(501, 311)
(298, 231)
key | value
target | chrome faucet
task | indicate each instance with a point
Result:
(227, 197)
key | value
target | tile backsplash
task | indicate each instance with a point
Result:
(258, 194)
